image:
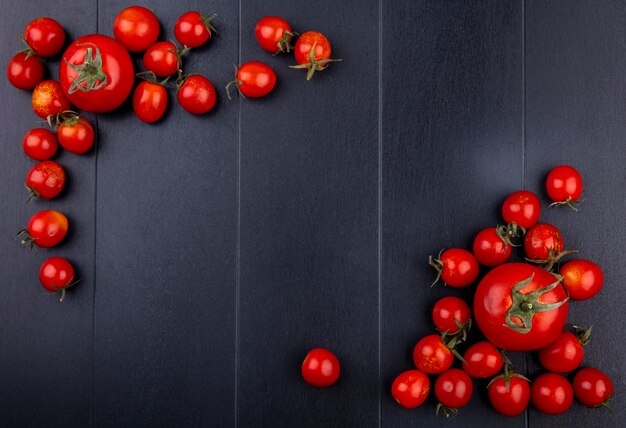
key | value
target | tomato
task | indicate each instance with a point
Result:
(274, 34)
(564, 186)
(24, 71)
(76, 135)
(453, 389)
(450, 314)
(162, 59)
(56, 274)
(431, 355)
(45, 229)
(582, 279)
(565, 353)
(197, 94)
(511, 400)
(49, 99)
(456, 267)
(312, 52)
(137, 28)
(253, 79)
(552, 394)
(410, 389)
(320, 368)
(40, 144)
(150, 101)
(482, 360)
(45, 180)
(522, 208)
(44, 36)
(543, 244)
(97, 73)
(519, 307)
(593, 388)
(491, 248)
(193, 29)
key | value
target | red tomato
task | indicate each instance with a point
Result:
(193, 29)
(97, 73)
(431, 355)
(45, 180)
(44, 36)
(522, 208)
(582, 279)
(449, 311)
(312, 52)
(482, 360)
(552, 394)
(453, 389)
(274, 34)
(564, 354)
(320, 368)
(564, 185)
(45, 229)
(410, 389)
(162, 59)
(40, 144)
(253, 79)
(76, 135)
(137, 28)
(150, 101)
(511, 400)
(593, 388)
(519, 307)
(491, 248)
(197, 94)
(49, 99)
(56, 274)
(456, 267)
(24, 71)
(542, 241)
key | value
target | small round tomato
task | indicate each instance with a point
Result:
(482, 360)
(511, 400)
(522, 208)
(456, 267)
(44, 36)
(40, 144)
(582, 279)
(49, 99)
(24, 71)
(564, 185)
(45, 180)
(552, 394)
(150, 101)
(197, 94)
(45, 229)
(431, 355)
(76, 135)
(410, 389)
(593, 388)
(253, 80)
(162, 59)
(491, 248)
(312, 52)
(564, 354)
(543, 244)
(320, 368)
(137, 28)
(193, 29)
(274, 34)
(450, 314)
(56, 274)
(453, 389)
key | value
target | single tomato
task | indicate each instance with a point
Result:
(40, 144)
(45, 180)
(509, 398)
(274, 34)
(482, 360)
(150, 101)
(56, 274)
(196, 94)
(543, 244)
(593, 387)
(564, 186)
(49, 100)
(162, 58)
(491, 247)
(453, 389)
(253, 80)
(582, 279)
(552, 394)
(451, 314)
(45, 229)
(312, 52)
(522, 208)
(565, 353)
(44, 36)
(431, 355)
(456, 267)
(410, 389)
(24, 71)
(193, 29)
(320, 368)
(76, 134)
(137, 28)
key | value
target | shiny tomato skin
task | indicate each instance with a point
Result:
(40, 144)
(137, 28)
(489, 249)
(49, 99)
(197, 94)
(563, 355)
(45, 36)
(460, 267)
(46, 179)
(191, 29)
(161, 59)
(76, 137)
(24, 72)
(56, 273)
(305, 43)
(431, 355)
(270, 32)
(255, 79)
(47, 228)
(552, 394)
(482, 360)
(522, 208)
(511, 401)
(582, 279)
(592, 387)
(564, 183)
(320, 368)
(150, 101)
(542, 239)
(449, 309)
(454, 388)
(410, 389)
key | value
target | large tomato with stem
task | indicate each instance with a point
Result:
(520, 307)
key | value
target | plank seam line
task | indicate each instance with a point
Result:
(380, 204)
(526, 412)
(238, 233)
(95, 250)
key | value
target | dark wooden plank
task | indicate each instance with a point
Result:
(575, 110)
(46, 364)
(309, 224)
(166, 229)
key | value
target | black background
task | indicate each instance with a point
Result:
(215, 251)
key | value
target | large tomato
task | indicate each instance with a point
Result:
(519, 307)
(97, 73)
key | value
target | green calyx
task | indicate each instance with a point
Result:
(582, 334)
(27, 240)
(91, 76)
(235, 82)
(568, 202)
(553, 258)
(207, 21)
(438, 265)
(284, 45)
(314, 65)
(510, 232)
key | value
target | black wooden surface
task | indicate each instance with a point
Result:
(215, 251)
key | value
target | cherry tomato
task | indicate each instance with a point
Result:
(543, 244)
(482, 360)
(193, 29)
(582, 279)
(40, 144)
(522, 208)
(511, 401)
(197, 94)
(312, 52)
(49, 99)
(453, 389)
(552, 394)
(44, 36)
(564, 185)
(76, 135)
(593, 388)
(320, 368)
(431, 355)
(45, 180)
(491, 248)
(254, 79)
(150, 101)
(448, 311)
(24, 71)
(410, 389)
(137, 28)
(564, 354)
(162, 59)
(45, 229)
(456, 267)
(56, 274)
(274, 34)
